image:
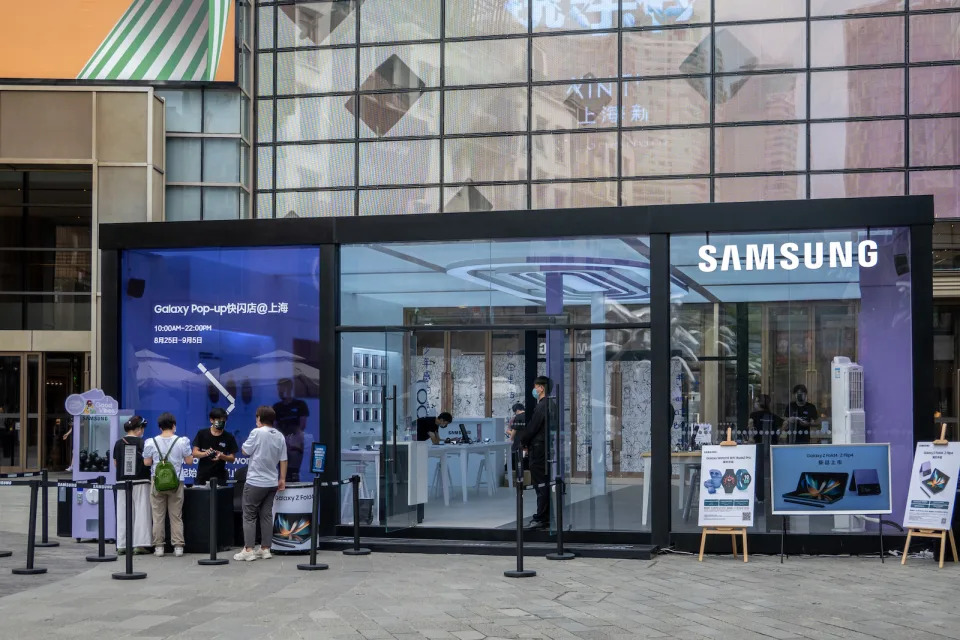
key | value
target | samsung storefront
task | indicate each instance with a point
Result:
(651, 321)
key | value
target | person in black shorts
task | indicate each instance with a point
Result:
(214, 448)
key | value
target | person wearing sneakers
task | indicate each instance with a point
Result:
(267, 450)
(128, 461)
(161, 450)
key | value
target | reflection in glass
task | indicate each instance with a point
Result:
(314, 165)
(485, 159)
(857, 41)
(731, 10)
(575, 56)
(383, 202)
(667, 52)
(945, 188)
(935, 37)
(666, 152)
(314, 204)
(471, 18)
(763, 46)
(935, 89)
(411, 66)
(396, 21)
(401, 162)
(761, 97)
(412, 113)
(934, 142)
(315, 71)
(683, 191)
(559, 195)
(761, 148)
(307, 119)
(313, 24)
(507, 197)
(661, 102)
(856, 185)
(843, 7)
(264, 75)
(503, 61)
(856, 145)
(856, 93)
(575, 155)
(579, 105)
(485, 110)
(755, 188)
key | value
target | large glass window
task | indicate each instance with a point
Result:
(765, 331)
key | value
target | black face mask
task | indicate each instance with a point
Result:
(801, 398)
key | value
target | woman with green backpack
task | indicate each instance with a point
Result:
(166, 493)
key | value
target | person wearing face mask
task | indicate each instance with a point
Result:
(802, 416)
(214, 448)
(533, 437)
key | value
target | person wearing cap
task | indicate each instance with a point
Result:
(128, 461)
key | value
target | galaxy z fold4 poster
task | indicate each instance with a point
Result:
(933, 486)
(727, 491)
(821, 479)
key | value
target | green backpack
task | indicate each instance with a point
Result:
(165, 475)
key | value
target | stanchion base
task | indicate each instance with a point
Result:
(209, 562)
(312, 567)
(362, 551)
(51, 543)
(6, 554)
(136, 575)
(526, 573)
(566, 555)
(29, 572)
(101, 558)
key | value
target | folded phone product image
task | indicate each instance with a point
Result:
(818, 489)
(866, 482)
(935, 483)
(924, 469)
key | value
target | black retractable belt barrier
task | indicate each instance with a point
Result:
(31, 570)
(101, 512)
(357, 549)
(214, 538)
(129, 573)
(313, 565)
(560, 554)
(518, 482)
(44, 539)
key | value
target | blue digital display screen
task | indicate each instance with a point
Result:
(228, 328)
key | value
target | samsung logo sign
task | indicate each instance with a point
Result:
(767, 257)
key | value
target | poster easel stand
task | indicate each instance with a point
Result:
(733, 532)
(940, 534)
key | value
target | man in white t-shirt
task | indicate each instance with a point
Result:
(266, 449)
(167, 446)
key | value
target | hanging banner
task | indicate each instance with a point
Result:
(818, 479)
(933, 486)
(727, 496)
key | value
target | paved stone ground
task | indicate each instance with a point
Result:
(466, 597)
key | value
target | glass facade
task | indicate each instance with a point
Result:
(380, 108)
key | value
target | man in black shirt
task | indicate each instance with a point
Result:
(802, 416)
(214, 448)
(292, 423)
(533, 437)
(128, 462)
(428, 427)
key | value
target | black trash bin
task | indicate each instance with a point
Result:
(196, 519)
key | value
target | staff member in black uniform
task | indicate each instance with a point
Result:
(214, 448)
(428, 427)
(802, 416)
(533, 437)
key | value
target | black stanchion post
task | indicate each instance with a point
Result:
(518, 482)
(44, 513)
(214, 538)
(313, 565)
(129, 573)
(880, 529)
(31, 570)
(101, 526)
(357, 549)
(560, 554)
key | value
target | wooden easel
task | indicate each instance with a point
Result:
(733, 532)
(942, 534)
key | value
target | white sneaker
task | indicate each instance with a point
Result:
(178, 552)
(264, 554)
(158, 551)
(246, 556)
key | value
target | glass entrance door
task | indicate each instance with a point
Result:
(20, 396)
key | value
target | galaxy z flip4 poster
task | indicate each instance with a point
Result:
(727, 494)
(933, 486)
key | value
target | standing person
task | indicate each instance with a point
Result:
(292, 423)
(167, 449)
(802, 416)
(214, 448)
(766, 427)
(533, 437)
(267, 448)
(128, 461)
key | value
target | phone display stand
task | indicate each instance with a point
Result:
(733, 532)
(939, 534)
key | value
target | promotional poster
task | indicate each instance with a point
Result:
(826, 479)
(727, 495)
(224, 328)
(933, 486)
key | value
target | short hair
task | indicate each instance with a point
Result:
(166, 421)
(266, 415)
(800, 387)
(134, 423)
(544, 382)
(446, 417)
(218, 414)
(285, 382)
(518, 407)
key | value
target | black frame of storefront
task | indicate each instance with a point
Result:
(657, 222)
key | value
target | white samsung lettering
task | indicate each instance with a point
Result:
(764, 257)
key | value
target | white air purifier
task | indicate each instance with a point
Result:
(847, 419)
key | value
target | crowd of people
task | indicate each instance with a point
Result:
(161, 459)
